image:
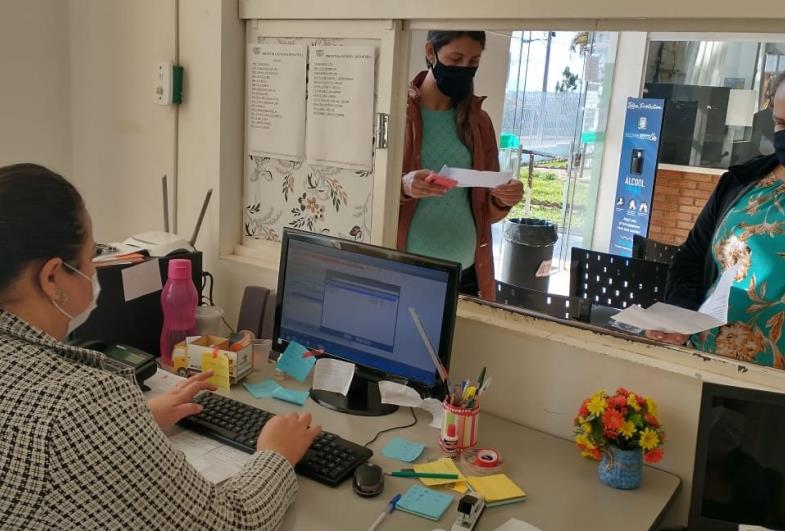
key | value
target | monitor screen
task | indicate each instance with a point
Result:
(353, 301)
(739, 463)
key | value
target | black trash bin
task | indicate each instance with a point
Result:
(527, 244)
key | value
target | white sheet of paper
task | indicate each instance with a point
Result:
(333, 375)
(717, 304)
(513, 524)
(161, 382)
(748, 527)
(341, 106)
(667, 318)
(435, 408)
(476, 178)
(403, 395)
(141, 280)
(275, 100)
(215, 461)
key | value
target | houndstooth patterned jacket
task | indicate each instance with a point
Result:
(79, 449)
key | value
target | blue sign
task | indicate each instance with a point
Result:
(637, 171)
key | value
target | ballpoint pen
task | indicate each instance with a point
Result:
(427, 475)
(390, 508)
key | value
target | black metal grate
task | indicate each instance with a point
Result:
(617, 281)
(652, 250)
(545, 303)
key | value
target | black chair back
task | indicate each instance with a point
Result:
(616, 281)
(652, 250)
(546, 303)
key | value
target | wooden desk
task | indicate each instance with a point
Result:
(563, 490)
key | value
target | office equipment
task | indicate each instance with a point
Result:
(560, 306)
(739, 474)
(425, 502)
(350, 300)
(141, 362)
(403, 450)
(368, 480)
(422, 475)
(617, 281)
(254, 310)
(470, 507)
(497, 489)
(651, 250)
(329, 460)
(390, 508)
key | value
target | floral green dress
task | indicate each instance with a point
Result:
(752, 235)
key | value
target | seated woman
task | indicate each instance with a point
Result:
(79, 445)
(742, 225)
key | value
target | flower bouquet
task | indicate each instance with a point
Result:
(621, 431)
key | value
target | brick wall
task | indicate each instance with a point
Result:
(678, 199)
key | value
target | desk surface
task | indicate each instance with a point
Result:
(563, 490)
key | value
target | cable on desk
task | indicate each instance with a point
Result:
(204, 300)
(393, 428)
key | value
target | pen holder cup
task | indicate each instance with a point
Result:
(460, 428)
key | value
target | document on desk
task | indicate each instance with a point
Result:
(333, 375)
(513, 524)
(476, 179)
(215, 461)
(667, 318)
(403, 395)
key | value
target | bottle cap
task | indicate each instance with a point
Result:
(179, 269)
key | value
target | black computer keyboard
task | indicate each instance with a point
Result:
(329, 460)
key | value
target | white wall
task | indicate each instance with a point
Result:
(122, 142)
(491, 79)
(35, 92)
(627, 82)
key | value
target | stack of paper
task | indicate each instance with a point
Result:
(444, 465)
(403, 450)
(424, 502)
(497, 489)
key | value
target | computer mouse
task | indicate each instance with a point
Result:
(368, 480)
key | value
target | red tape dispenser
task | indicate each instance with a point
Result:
(482, 461)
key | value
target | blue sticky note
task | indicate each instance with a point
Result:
(403, 450)
(294, 364)
(425, 502)
(290, 395)
(263, 389)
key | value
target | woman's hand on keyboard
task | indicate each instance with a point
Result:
(176, 404)
(289, 435)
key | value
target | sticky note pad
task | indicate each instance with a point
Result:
(403, 450)
(444, 465)
(294, 364)
(497, 489)
(219, 364)
(290, 395)
(424, 502)
(263, 389)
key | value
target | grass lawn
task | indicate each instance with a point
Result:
(548, 187)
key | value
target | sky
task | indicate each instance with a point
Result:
(532, 71)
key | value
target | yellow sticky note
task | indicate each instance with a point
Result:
(444, 465)
(460, 487)
(496, 487)
(219, 364)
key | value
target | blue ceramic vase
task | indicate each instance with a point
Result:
(621, 469)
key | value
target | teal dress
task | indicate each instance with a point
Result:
(752, 236)
(443, 227)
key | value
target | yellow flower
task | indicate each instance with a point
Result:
(586, 427)
(632, 401)
(627, 429)
(651, 405)
(584, 441)
(649, 439)
(597, 405)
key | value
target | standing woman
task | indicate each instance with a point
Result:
(445, 125)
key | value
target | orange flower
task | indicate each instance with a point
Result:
(617, 401)
(653, 456)
(584, 410)
(622, 391)
(612, 420)
(651, 420)
(592, 454)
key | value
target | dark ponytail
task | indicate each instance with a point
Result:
(774, 85)
(437, 40)
(41, 217)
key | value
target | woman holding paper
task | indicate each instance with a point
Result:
(446, 126)
(741, 229)
(81, 447)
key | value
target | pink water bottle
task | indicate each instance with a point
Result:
(178, 302)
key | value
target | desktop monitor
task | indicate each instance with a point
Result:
(358, 303)
(739, 475)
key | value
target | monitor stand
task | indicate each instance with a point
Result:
(363, 398)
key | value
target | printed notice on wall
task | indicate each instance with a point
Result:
(275, 100)
(340, 106)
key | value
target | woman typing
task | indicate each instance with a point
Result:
(80, 447)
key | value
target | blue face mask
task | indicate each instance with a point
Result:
(779, 146)
(75, 321)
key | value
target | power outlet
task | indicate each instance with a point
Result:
(162, 83)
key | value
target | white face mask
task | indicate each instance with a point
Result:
(78, 320)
